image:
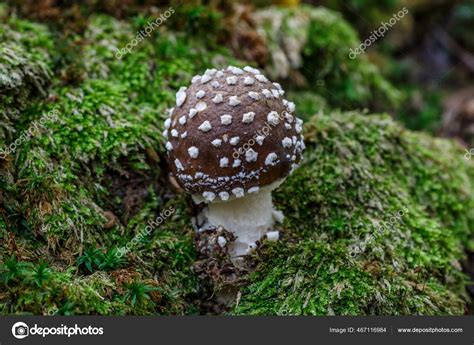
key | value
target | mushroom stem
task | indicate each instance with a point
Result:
(249, 218)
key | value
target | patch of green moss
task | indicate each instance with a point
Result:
(335, 258)
(25, 69)
(107, 129)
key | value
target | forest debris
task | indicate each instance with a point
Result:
(111, 219)
(220, 276)
(245, 41)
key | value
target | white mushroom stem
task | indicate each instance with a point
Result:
(249, 218)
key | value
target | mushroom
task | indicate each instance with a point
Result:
(242, 140)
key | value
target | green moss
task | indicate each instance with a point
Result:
(107, 128)
(162, 260)
(357, 174)
(25, 70)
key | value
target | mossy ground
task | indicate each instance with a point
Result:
(89, 181)
(358, 173)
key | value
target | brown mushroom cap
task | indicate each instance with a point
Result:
(231, 133)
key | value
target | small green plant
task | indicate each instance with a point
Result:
(138, 292)
(13, 270)
(67, 308)
(110, 260)
(40, 274)
(90, 259)
(96, 258)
